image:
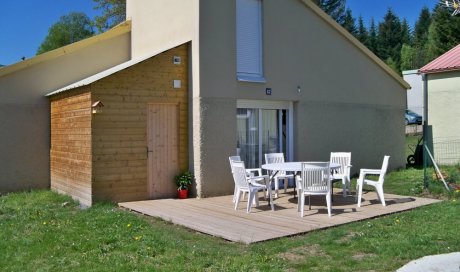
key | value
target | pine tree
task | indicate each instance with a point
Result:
(335, 8)
(407, 51)
(406, 35)
(349, 23)
(363, 34)
(389, 38)
(443, 33)
(420, 39)
(421, 27)
(372, 43)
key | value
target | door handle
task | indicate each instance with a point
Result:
(148, 151)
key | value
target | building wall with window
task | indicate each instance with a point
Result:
(342, 99)
(340, 96)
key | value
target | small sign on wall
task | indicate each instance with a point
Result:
(268, 91)
(176, 60)
(177, 84)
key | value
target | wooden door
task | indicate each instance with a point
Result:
(163, 149)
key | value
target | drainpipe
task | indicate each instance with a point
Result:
(425, 128)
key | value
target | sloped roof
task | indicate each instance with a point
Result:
(111, 71)
(114, 32)
(449, 61)
(355, 42)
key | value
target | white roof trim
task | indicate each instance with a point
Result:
(108, 72)
(410, 72)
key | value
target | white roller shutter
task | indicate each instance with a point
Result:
(249, 40)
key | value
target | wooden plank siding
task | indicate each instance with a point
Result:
(103, 156)
(119, 133)
(71, 161)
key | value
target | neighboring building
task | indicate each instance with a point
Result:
(24, 110)
(443, 76)
(415, 94)
(249, 76)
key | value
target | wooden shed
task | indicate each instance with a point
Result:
(122, 134)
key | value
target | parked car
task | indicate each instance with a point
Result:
(412, 118)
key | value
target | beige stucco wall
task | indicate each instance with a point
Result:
(161, 24)
(24, 111)
(443, 112)
(346, 103)
(339, 84)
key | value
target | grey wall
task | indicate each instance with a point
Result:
(347, 102)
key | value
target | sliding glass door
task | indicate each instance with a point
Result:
(247, 143)
(261, 131)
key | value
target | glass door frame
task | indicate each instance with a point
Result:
(274, 105)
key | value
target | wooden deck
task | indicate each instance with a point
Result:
(216, 216)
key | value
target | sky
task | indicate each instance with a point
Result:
(24, 24)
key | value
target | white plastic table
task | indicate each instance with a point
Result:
(295, 167)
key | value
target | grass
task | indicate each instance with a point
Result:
(44, 231)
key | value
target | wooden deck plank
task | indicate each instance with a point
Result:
(216, 216)
(208, 222)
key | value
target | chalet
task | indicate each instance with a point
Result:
(202, 80)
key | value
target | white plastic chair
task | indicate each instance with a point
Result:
(343, 173)
(246, 184)
(378, 185)
(250, 173)
(314, 181)
(281, 175)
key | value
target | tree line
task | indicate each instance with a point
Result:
(77, 26)
(394, 41)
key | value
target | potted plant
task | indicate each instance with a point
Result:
(183, 181)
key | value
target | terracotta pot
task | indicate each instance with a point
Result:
(182, 194)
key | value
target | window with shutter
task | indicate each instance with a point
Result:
(249, 40)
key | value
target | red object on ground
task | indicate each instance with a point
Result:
(182, 194)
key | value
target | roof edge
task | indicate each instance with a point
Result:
(410, 72)
(91, 79)
(355, 42)
(118, 30)
(425, 70)
(450, 69)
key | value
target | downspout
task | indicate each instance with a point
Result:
(425, 127)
